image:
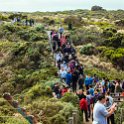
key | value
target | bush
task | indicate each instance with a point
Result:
(39, 28)
(96, 8)
(109, 32)
(88, 49)
(3, 18)
(58, 119)
(119, 23)
(122, 43)
(36, 37)
(11, 28)
(114, 41)
(54, 111)
(71, 98)
(15, 121)
(108, 53)
(6, 87)
(116, 56)
(118, 113)
(74, 20)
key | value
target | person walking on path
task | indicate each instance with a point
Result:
(61, 31)
(84, 107)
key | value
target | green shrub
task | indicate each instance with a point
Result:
(53, 110)
(108, 53)
(15, 120)
(122, 43)
(6, 87)
(36, 37)
(112, 74)
(39, 28)
(88, 49)
(114, 41)
(96, 8)
(58, 119)
(3, 18)
(119, 23)
(107, 33)
(11, 28)
(71, 98)
(74, 20)
(101, 49)
(118, 113)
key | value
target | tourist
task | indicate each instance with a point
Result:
(100, 113)
(84, 107)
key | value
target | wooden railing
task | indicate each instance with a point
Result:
(74, 118)
(122, 115)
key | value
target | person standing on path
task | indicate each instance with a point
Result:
(100, 113)
(84, 107)
(61, 31)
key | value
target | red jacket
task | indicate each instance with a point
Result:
(83, 104)
(63, 40)
(64, 90)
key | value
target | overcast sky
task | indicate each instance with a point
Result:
(56, 5)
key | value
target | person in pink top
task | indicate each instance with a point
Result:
(63, 40)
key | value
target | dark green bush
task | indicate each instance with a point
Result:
(96, 8)
(119, 23)
(88, 49)
(71, 98)
(58, 119)
(109, 32)
(39, 28)
(3, 18)
(116, 56)
(118, 113)
(114, 41)
(54, 111)
(11, 28)
(74, 20)
(15, 120)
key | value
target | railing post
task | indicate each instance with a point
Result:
(71, 120)
(121, 116)
(75, 116)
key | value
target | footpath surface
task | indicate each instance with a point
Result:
(90, 122)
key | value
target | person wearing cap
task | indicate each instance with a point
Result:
(100, 113)
(64, 89)
(61, 31)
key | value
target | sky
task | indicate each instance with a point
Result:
(57, 5)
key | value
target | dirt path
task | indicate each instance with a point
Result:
(90, 122)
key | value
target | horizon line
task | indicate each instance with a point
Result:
(56, 10)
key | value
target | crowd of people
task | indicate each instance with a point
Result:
(27, 22)
(94, 93)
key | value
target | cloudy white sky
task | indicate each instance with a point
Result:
(56, 5)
